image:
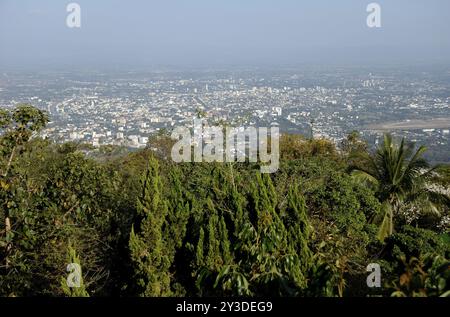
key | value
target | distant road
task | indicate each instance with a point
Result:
(437, 123)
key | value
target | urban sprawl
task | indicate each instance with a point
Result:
(125, 108)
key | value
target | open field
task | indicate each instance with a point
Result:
(436, 123)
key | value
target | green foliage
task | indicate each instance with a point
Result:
(150, 258)
(296, 147)
(354, 148)
(50, 196)
(145, 226)
(270, 254)
(421, 277)
(401, 179)
(414, 242)
(18, 126)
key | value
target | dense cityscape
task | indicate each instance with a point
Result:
(124, 108)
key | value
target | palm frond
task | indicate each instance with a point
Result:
(365, 177)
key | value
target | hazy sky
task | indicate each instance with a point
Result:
(222, 32)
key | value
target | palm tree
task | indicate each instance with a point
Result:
(401, 178)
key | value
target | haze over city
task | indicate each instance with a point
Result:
(200, 33)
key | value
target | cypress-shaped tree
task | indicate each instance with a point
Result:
(279, 259)
(213, 249)
(300, 233)
(179, 212)
(300, 228)
(150, 258)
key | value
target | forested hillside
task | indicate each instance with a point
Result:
(140, 225)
